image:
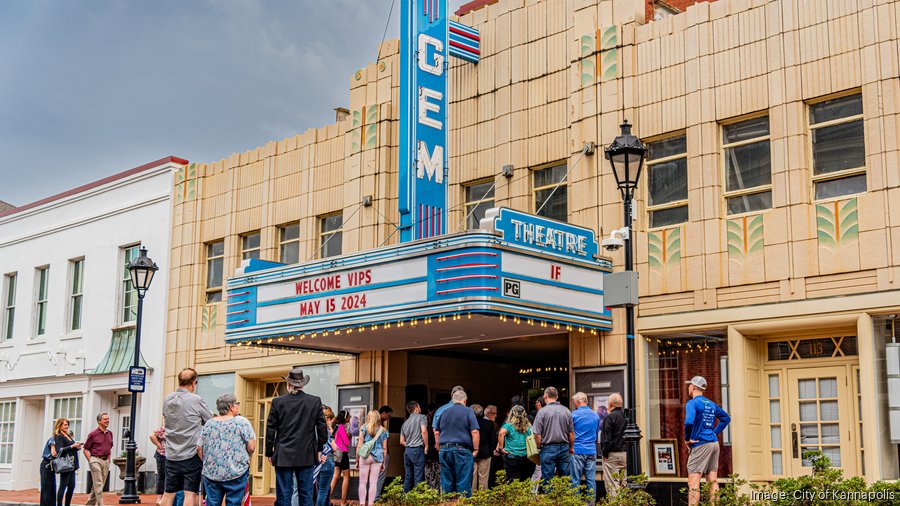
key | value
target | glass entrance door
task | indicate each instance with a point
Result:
(820, 415)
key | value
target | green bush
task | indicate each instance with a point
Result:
(634, 495)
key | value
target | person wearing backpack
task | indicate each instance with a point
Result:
(370, 457)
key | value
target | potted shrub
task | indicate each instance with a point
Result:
(120, 463)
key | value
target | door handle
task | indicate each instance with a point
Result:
(795, 441)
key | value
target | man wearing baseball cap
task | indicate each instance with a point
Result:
(701, 433)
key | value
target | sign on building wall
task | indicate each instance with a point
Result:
(423, 119)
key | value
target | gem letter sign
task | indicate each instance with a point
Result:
(423, 119)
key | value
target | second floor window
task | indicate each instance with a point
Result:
(9, 305)
(289, 243)
(215, 262)
(551, 193)
(479, 198)
(77, 294)
(129, 294)
(748, 165)
(42, 276)
(838, 147)
(250, 246)
(331, 235)
(667, 181)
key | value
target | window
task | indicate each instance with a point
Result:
(42, 276)
(215, 258)
(76, 268)
(9, 306)
(775, 424)
(289, 244)
(250, 246)
(662, 10)
(551, 196)
(331, 235)
(123, 432)
(7, 430)
(667, 181)
(211, 386)
(726, 402)
(838, 147)
(479, 198)
(748, 165)
(69, 408)
(129, 293)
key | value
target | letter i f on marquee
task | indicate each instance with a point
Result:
(426, 42)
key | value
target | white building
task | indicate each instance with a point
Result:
(67, 315)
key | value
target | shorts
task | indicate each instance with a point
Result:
(344, 464)
(704, 459)
(183, 475)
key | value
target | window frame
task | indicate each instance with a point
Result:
(841, 174)
(282, 242)
(322, 233)
(242, 239)
(466, 202)
(565, 182)
(58, 401)
(39, 303)
(8, 427)
(9, 291)
(124, 283)
(74, 277)
(648, 166)
(208, 291)
(726, 194)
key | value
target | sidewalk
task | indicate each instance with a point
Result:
(32, 496)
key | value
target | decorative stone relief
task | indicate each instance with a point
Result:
(664, 257)
(745, 250)
(837, 231)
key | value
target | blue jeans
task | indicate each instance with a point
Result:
(585, 465)
(555, 456)
(326, 472)
(414, 465)
(457, 465)
(231, 490)
(284, 485)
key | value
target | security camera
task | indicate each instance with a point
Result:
(616, 239)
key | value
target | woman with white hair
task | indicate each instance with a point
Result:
(226, 444)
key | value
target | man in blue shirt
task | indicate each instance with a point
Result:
(445, 407)
(587, 423)
(458, 437)
(701, 433)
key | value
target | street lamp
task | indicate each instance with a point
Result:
(626, 156)
(142, 270)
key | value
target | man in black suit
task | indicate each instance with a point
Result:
(295, 434)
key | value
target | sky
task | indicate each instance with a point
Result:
(89, 88)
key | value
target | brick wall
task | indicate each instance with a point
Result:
(683, 367)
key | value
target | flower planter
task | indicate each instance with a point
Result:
(139, 461)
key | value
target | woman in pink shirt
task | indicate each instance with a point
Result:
(342, 441)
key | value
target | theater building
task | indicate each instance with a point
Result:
(767, 230)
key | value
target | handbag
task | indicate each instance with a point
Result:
(366, 449)
(338, 456)
(531, 449)
(63, 464)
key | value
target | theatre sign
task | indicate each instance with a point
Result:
(518, 270)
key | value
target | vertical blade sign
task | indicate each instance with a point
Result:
(423, 119)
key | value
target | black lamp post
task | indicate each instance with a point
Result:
(626, 155)
(142, 270)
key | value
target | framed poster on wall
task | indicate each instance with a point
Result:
(357, 400)
(664, 457)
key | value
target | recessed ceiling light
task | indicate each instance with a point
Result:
(485, 349)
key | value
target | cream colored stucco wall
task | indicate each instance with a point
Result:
(557, 74)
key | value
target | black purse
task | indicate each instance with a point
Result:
(63, 464)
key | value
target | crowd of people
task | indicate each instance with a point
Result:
(454, 448)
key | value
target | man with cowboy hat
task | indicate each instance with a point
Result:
(295, 433)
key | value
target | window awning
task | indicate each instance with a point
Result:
(120, 355)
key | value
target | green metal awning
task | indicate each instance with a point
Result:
(120, 355)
